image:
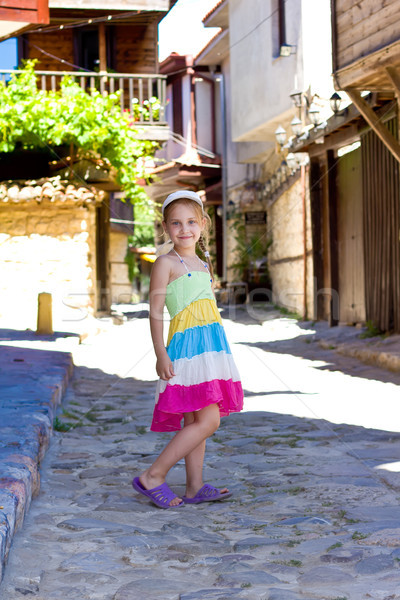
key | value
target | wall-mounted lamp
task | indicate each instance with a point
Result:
(296, 126)
(335, 101)
(296, 98)
(313, 113)
(291, 161)
(280, 135)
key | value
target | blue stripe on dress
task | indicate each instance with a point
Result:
(197, 340)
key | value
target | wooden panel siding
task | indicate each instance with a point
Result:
(381, 197)
(136, 49)
(59, 43)
(364, 26)
(27, 11)
(350, 238)
(316, 203)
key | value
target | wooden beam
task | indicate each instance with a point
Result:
(344, 137)
(359, 72)
(379, 128)
(102, 48)
(333, 239)
(394, 77)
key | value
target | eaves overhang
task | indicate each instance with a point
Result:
(218, 16)
(342, 128)
(215, 51)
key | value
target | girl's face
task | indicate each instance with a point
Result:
(183, 226)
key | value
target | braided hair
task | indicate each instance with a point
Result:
(203, 240)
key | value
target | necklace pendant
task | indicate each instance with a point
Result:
(189, 274)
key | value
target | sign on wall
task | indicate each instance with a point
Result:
(258, 217)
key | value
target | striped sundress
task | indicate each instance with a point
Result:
(205, 372)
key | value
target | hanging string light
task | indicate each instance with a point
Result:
(84, 22)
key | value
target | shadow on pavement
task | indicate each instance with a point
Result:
(27, 335)
(307, 347)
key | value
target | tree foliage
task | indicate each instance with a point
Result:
(91, 122)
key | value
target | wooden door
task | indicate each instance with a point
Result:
(102, 257)
(350, 238)
(381, 194)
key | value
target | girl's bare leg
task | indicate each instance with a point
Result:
(194, 465)
(205, 422)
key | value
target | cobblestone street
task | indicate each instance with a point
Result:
(313, 461)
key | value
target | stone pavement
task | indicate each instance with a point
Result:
(32, 384)
(315, 512)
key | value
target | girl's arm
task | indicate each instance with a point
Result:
(158, 288)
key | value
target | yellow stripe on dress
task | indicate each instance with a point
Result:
(198, 313)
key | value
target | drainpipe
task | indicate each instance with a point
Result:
(224, 168)
(303, 201)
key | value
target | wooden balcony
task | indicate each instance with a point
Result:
(142, 97)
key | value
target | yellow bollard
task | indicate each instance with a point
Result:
(45, 317)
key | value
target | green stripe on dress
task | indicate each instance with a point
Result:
(184, 290)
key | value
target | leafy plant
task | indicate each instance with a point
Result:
(141, 112)
(251, 252)
(143, 236)
(90, 123)
(58, 425)
(371, 330)
(334, 546)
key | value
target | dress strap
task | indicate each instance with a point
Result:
(181, 259)
(205, 265)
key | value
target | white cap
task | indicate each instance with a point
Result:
(187, 194)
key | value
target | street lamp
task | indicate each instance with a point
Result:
(296, 98)
(335, 101)
(280, 135)
(313, 113)
(291, 161)
(296, 126)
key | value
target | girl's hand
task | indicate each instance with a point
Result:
(164, 367)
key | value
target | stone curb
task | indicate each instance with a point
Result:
(32, 385)
(370, 356)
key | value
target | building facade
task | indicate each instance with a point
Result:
(111, 47)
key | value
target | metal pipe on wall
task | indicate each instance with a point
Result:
(303, 200)
(224, 168)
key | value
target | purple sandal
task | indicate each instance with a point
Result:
(160, 496)
(208, 493)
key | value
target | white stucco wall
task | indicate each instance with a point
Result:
(204, 113)
(261, 83)
(186, 116)
(236, 172)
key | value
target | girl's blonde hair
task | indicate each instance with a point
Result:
(200, 215)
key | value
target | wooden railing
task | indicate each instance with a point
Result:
(143, 96)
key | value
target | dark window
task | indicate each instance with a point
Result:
(121, 215)
(177, 125)
(87, 48)
(278, 22)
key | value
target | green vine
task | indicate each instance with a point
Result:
(249, 250)
(90, 123)
(143, 236)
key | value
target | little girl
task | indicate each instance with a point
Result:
(199, 381)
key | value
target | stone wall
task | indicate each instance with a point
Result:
(121, 287)
(286, 256)
(49, 247)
